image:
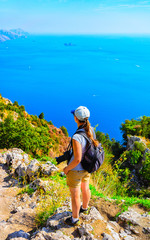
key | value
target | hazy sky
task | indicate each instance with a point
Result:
(76, 16)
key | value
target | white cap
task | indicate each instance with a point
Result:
(81, 113)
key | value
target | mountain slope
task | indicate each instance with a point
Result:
(28, 132)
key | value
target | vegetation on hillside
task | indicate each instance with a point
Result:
(126, 171)
(140, 127)
(32, 134)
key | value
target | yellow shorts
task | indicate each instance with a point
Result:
(74, 178)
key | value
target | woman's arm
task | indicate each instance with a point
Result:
(77, 152)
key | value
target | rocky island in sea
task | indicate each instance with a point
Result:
(6, 35)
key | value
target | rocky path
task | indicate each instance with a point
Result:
(10, 222)
(17, 213)
(7, 194)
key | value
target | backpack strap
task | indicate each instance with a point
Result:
(84, 135)
(80, 132)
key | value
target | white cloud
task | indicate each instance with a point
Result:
(134, 5)
(141, 4)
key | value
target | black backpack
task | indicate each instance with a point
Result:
(93, 156)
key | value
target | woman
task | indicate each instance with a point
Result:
(77, 177)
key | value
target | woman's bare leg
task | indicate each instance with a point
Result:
(76, 202)
(86, 194)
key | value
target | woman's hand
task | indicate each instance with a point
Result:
(66, 170)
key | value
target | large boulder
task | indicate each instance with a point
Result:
(47, 234)
(14, 157)
(21, 170)
(18, 234)
(40, 184)
(107, 236)
(33, 169)
(134, 220)
(131, 140)
(94, 214)
(84, 231)
(48, 168)
(2, 159)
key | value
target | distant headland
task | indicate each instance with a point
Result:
(6, 35)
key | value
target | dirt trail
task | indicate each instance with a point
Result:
(7, 194)
(10, 222)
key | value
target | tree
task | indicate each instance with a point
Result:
(64, 130)
(41, 116)
(16, 104)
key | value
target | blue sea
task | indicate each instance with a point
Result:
(56, 74)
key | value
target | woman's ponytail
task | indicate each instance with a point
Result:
(89, 132)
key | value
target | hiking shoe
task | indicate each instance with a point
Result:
(85, 211)
(69, 221)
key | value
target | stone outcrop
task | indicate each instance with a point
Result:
(20, 164)
(18, 234)
(138, 146)
(132, 139)
(134, 219)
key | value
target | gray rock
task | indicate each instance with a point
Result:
(115, 235)
(85, 238)
(32, 205)
(146, 230)
(128, 238)
(45, 235)
(133, 230)
(130, 217)
(17, 209)
(107, 236)
(124, 235)
(48, 168)
(15, 157)
(18, 234)
(18, 238)
(84, 230)
(26, 158)
(57, 217)
(63, 209)
(33, 168)
(54, 224)
(40, 184)
(38, 236)
(94, 214)
(2, 160)
(114, 225)
(131, 140)
(21, 170)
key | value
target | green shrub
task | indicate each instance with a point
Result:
(2, 115)
(22, 135)
(64, 130)
(22, 108)
(139, 146)
(50, 122)
(41, 116)
(27, 190)
(135, 156)
(2, 106)
(139, 127)
(16, 104)
(145, 171)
